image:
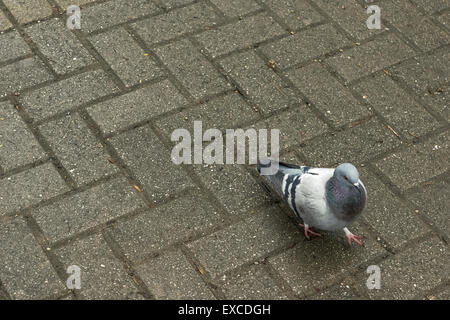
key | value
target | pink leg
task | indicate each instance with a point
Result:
(351, 237)
(308, 231)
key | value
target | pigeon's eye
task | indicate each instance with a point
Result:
(345, 177)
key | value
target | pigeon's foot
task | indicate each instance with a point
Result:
(351, 237)
(308, 231)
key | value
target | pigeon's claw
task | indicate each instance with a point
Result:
(308, 231)
(351, 237)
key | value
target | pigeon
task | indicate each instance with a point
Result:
(325, 198)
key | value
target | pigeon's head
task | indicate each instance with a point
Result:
(348, 173)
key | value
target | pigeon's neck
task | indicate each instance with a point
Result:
(345, 200)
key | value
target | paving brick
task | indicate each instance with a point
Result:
(29, 188)
(5, 24)
(175, 23)
(24, 269)
(22, 74)
(136, 106)
(258, 82)
(66, 3)
(340, 291)
(350, 146)
(411, 272)
(18, 146)
(125, 57)
(432, 199)
(151, 163)
(314, 42)
(12, 46)
(170, 4)
(444, 19)
(425, 74)
(29, 10)
(295, 125)
(389, 216)
(66, 94)
(102, 276)
(172, 277)
(253, 283)
(314, 265)
(222, 113)
(432, 6)
(370, 57)
(351, 16)
(166, 225)
(396, 106)
(77, 148)
(59, 45)
(115, 12)
(87, 209)
(415, 25)
(242, 34)
(425, 160)
(234, 8)
(191, 68)
(250, 240)
(294, 13)
(327, 94)
(234, 187)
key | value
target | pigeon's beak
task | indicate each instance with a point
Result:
(356, 184)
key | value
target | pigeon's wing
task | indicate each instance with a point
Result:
(290, 179)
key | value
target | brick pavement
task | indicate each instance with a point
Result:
(85, 123)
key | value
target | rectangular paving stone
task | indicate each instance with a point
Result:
(239, 35)
(415, 25)
(425, 74)
(81, 211)
(249, 240)
(295, 14)
(22, 74)
(312, 266)
(151, 163)
(388, 215)
(432, 199)
(114, 12)
(125, 57)
(396, 106)
(369, 57)
(259, 82)
(136, 106)
(25, 271)
(351, 16)
(172, 277)
(357, 144)
(432, 6)
(30, 187)
(5, 24)
(165, 225)
(66, 3)
(234, 8)
(102, 275)
(18, 146)
(313, 42)
(59, 45)
(221, 113)
(191, 68)
(425, 160)
(66, 94)
(170, 4)
(327, 94)
(12, 46)
(412, 272)
(253, 283)
(234, 187)
(296, 125)
(195, 17)
(79, 151)
(340, 291)
(444, 19)
(28, 10)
